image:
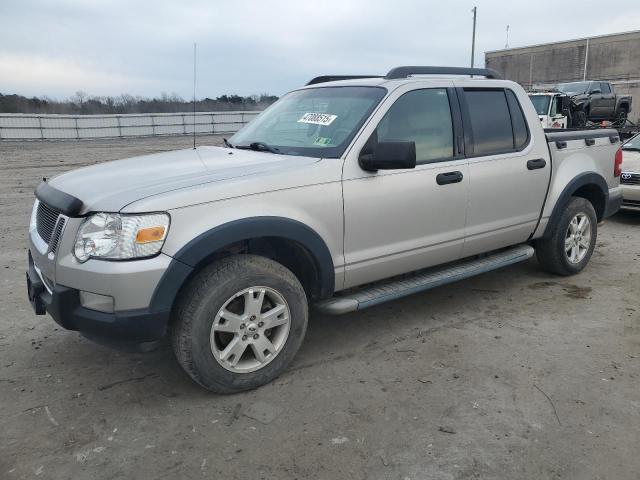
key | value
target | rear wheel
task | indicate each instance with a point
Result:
(621, 117)
(568, 248)
(239, 323)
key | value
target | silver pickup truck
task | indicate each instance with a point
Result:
(344, 194)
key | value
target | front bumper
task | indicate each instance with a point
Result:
(63, 304)
(631, 195)
(614, 202)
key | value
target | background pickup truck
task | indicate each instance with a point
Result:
(344, 194)
(596, 100)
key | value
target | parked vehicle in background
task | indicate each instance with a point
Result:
(596, 101)
(344, 194)
(552, 109)
(630, 176)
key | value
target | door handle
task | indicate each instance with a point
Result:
(449, 177)
(537, 163)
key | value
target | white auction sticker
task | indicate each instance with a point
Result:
(318, 118)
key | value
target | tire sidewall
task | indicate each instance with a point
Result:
(210, 372)
(575, 206)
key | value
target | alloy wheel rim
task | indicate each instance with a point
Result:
(578, 238)
(250, 329)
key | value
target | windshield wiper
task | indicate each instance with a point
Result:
(227, 143)
(259, 147)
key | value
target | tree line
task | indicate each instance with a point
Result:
(83, 104)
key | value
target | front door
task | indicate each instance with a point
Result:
(397, 221)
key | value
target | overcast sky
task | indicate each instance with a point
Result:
(109, 47)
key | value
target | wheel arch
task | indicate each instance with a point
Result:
(296, 245)
(590, 186)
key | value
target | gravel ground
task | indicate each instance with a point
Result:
(513, 374)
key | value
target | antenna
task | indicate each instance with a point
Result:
(194, 95)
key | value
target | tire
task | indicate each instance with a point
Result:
(551, 252)
(221, 304)
(580, 118)
(621, 117)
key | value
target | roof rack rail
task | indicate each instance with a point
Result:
(404, 72)
(333, 78)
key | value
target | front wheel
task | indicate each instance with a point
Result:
(240, 322)
(567, 250)
(580, 118)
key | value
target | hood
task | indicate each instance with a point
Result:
(630, 161)
(110, 186)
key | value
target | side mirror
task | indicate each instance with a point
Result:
(595, 90)
(388, 156)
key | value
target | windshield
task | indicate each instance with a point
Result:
(574, 88)
(316, 122)
(541, 103)
(632, 144)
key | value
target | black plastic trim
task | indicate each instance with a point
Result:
(63, 304)
(569, 190)
(335, 78)
(466, 122)
(613, 205)
(405, 71)
(206, 244)
(63, 202)
(556, 134)
(458, 131)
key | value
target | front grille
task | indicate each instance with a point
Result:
(631, 203)
(46, 218)
(57, 233)
(628, 178)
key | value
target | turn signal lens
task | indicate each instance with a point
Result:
(150, 234)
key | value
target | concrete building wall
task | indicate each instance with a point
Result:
(609, 57)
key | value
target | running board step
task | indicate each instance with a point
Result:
(423, 280)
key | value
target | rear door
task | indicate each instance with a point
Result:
(397, 221)
(608, 102)
(509, 169)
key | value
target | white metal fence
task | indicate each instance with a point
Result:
(17, 126)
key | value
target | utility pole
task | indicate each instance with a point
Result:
(506, 44)
(194, 95)
(473, 38)
(586, 61)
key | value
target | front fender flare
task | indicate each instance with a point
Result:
(186, 260)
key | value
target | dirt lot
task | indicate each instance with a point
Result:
(514, 374)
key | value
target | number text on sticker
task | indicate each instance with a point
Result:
(318, 118)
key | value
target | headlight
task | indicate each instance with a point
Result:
(113, 236)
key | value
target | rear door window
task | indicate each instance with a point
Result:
(490, 121)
